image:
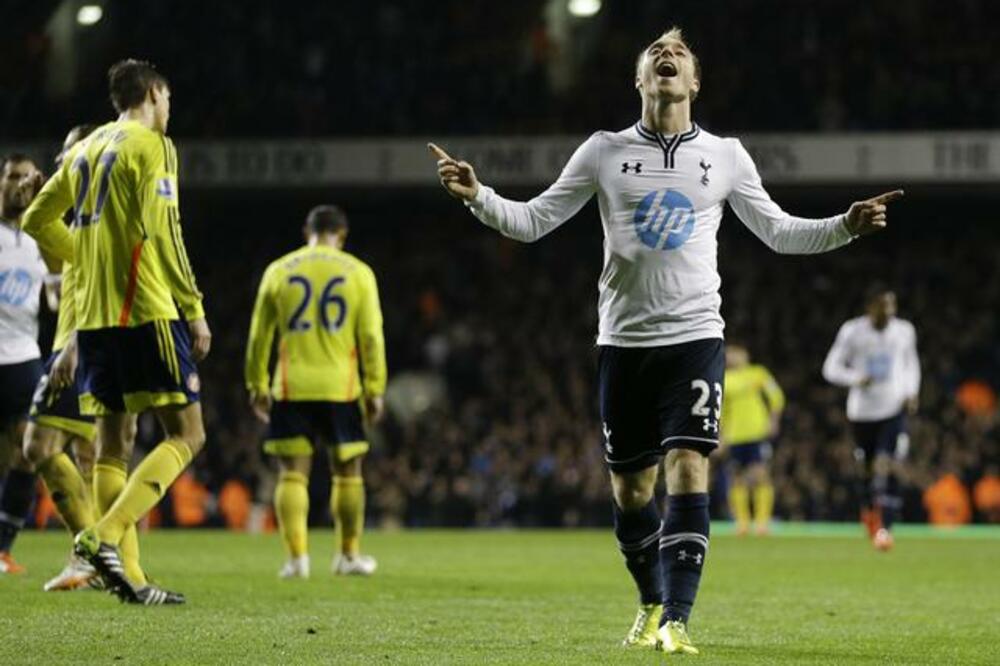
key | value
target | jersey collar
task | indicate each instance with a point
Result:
(669, 143)
(660, 138)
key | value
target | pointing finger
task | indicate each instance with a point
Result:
(887, 197)
(438, 153)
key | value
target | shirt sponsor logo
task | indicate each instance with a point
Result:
(664, 219)
(15, 286)
(879, 366)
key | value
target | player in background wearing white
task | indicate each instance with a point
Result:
(661, 185)
(875, 356)
(22, 273)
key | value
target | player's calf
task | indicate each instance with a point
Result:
(684, 543)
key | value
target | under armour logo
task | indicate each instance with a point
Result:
(684, 556)
(634, 166)
(710, 424)
(607, 436)
(705, 167)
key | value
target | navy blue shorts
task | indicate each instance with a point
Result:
(887, 436)
(60, 408)
(653, 399)
(751, 453)
(297, 426)
(134, 369)
(17, 386)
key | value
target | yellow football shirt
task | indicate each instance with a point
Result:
(750, 397)
(132, 266)
(323, 303)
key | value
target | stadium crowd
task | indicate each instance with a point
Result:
(508, 329)
(811, 66)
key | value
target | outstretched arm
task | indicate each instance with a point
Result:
(796, 235)
(523, 221)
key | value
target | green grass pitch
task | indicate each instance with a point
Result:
(805, 595)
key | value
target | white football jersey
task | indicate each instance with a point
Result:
(661, 200)
(22, 272)
(887, 356)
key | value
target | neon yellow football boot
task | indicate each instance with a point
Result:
(643, 631)
(674, 639)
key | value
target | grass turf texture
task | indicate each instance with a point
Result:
(805, 595)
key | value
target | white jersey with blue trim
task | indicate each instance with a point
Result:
(886, 357)
(22, 272)
(661, 201)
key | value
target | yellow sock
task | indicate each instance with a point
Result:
(144, 489)
(291, 505)
(739, 504)
(69, 492)
(347, 504)
(763, 505)
(110, 477)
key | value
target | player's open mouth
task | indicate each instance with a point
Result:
(666, 69)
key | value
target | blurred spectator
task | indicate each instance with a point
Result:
(235, 504)
(976, 398)
(190, 501)
(947, 502)
(986, 495)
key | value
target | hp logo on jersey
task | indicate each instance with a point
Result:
(15, 287)
(664, 219)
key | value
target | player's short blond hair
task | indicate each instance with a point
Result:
(673, 33)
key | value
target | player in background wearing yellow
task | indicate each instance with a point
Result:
(751, 415)
(140, 322)
(57, 427)
(329, 377)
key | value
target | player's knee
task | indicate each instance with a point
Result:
(632, 497)
(130, 430)
(194, 437)
(687, 472)
(758, 475)
(37, 447)
(350, 467)
(85, 454)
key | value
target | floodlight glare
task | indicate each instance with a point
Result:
(89, 14)
(584, 8)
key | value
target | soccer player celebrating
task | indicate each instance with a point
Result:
(140, 322)
(324, 305)
(661, 185)
(752, 403)
(22, 272)
(875, 356)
